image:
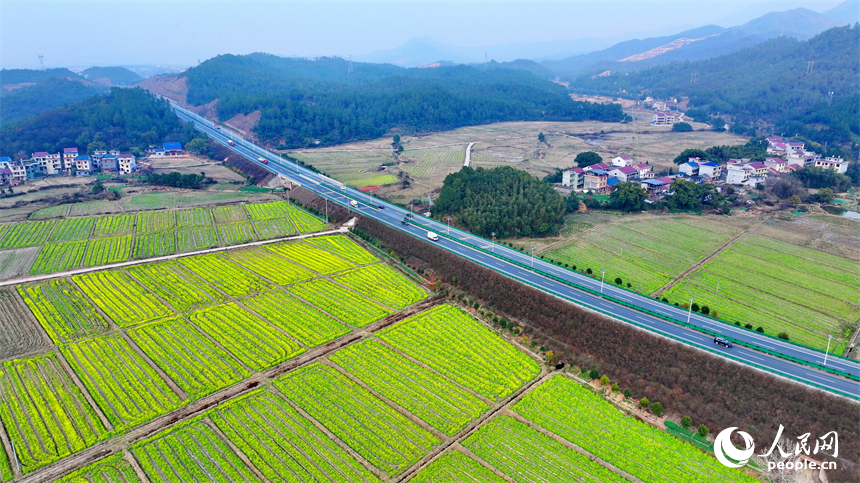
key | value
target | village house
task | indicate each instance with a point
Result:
(595, 180)
(777, 164)
(127, 163)
(624, 173)
(69, 155)
(834, 162)
(644, 170)
(623, 160)
(573, 178)
(663, 119)
(602, 166)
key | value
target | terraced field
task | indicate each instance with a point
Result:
(123, 300)
(154, 245)
(27, 234)
(72, 229)
(269, 265)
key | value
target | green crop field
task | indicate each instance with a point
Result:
(275, 228)
(72, 229)
(373, 181)
(382, 284)
(538, 455)
(340, 302)
(154, 245)
(384, 437)
(455, 467)
(305, 222)
(284, 445)
(825, 265)
(192, 361)
(193, 239)
(50, 212)
(255, 343)
(230, 214)
(93, 208)
(236, 233)
(62, 310)
(125, 387)
(304, 323)
(114, 225)
(191, 452)
(268, 211)
(155, 221)
(113, 469)
(443, 338)
(27, 234)
(269, 265)
(225, 275)
(426, 394)
(585, 419)
(175, 286)
(344, 248)
(633, 250)
(121, 298)
(193, 217)
(317, 260)
(103, 251)
(58, 257)
(149, 202)
(43, 411)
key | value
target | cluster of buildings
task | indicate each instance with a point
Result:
(601, 177)
(794, 153)
(70, 161)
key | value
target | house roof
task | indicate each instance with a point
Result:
(170, 146)
(627, 169)
(757, 165)
(661, 114)
(794, 143)
(625, 157)
(40, 154)
(5, 171)
(642, 166)
(691, 164)
(109, 156)
(576, 170)
(612, 181)
(774, 139)
(5, 159)
(70, 150)
(82, 158)
(126, 156)
(666, 179)
(598, 172)
(159, 150)
(654, 182)
(710, 163)
(598, 166)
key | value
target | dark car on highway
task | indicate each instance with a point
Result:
(722, 342)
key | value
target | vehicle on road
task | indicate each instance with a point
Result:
(381, 207)
(231, 143)
(263, 160)
(432, 236)
(722, 342)
(404, 221)
(353, 203)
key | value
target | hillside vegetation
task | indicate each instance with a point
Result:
(118, 76)
(47, 94)
(302, 101)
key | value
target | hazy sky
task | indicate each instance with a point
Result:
(80, 34)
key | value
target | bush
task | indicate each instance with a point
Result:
(615, 387)
(695, 307)
(604, 381)
(748, 326)
(618, 280)
(706, 310)
(657, 409)
(503, 323)
(588, 271)
(682, 127)
(593, 374)
(629, 285)
(643, 403)
(573, 267)
(760, 329)
(664, 299)
(627, 392)
(783, 336)
(686, 422)
(703, 431)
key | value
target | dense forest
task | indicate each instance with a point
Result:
(768, 81)
(46, 94)
(118, 76)
(305, 100)
(507, 201)
(122, 119)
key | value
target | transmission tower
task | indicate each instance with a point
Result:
(42, 61)
(486, 62)
(349, 69)
(693, 78)
(829, 98)
(809, 65)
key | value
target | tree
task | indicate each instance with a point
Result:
(814, 177)
(693, 153)
(604, 380)
(783, 336)
(686, 422)
(627, 392)
(643, 403)
(396, 139)
(719, 124)
(628, 197)
(571, 203)
(706, 310)
(618, 280)
(795, 200)
(785, 187)
(399, 149)
(703, 431)
(197, 146)
(587, 158)
(682, 127)
(97, 187)
(686, 195)
(594, 374)
(657, 409)
(853, 172)
(825, 195)
(541, 138)
(695, 307)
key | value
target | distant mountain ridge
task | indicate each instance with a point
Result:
(117, 76)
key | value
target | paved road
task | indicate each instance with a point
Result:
(468, 158)
(499, 258)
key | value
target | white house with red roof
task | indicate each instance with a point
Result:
(602, 166)
(644, 170)
(624, 173)
(777, 164)
(622, 160)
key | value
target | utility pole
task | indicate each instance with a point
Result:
(533, 256)
(809, 65)
(42, 61)
(828, 350)
(601, 279)
(448, 219)
(690, 313)
(493, 241)
(829, 98)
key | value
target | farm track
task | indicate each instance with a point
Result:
(195, 408)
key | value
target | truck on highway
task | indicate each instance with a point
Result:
(353, 203)
(231, 143)
(263, 160)
(432, 236)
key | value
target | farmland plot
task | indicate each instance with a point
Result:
(807, 260)
(230, 214)
(155, 221)
(124, 386)
(275, 228)
(154, 245)
(93, 208)
(194, 239)
(193, 217)
(149, 202)
(584, 256)
(254, 342)
(121, 298)
(17, 263)
(236, 233)
(49, 212)
(340, 302)
(526, 455)
(383, 284)
(444, 337)
(181, 290)
(317, 260)
(269, 265)
(344, 248)
(657, 260)
(585, 419)
(103, 251)
(19, 334)
(114, 225)
(113, 469)
(58, 257)
(62, 309)
(72, 229)
(44, 412)
(455, 467)
(424, 393)
(193, 362)
(305, 222)
(283, 445)
(268, 211)
(386, 438)
(27, 234)
(191, 452)
(224, 275)
(306, 324)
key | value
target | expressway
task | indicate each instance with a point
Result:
(557, 281)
